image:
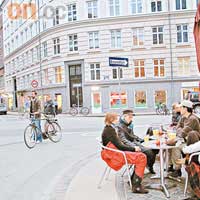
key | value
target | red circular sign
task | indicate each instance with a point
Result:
(34, 84)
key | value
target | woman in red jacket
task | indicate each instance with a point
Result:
(113, 159)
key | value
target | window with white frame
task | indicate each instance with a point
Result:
(31, 30)
(184, 66)
(56, 46)
(158, 35)
(73, 42)
(114, 6)
(156, 6)
(95, 71)
(46, 76)
(116, 39)
(17, 41)
(181, 4)
(56, 18)
(140, 99)
(136, 6)
(139, 68)
(94, 40)
(44, 47)
(138, 36)
(72, 14)
(26, 34)
(182, 33)
(115, 73)
(59, 74)
(22, 38)
(159, 67)
(27, 57)
(160, 97)
(32, 56)
(118, 100)
(38, 52)
(92, 9)
(44, 24)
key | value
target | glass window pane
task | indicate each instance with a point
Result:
(140, 99)
(153, 6)
(178, 4)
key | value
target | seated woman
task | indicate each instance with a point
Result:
(110, 139)
(193, 169)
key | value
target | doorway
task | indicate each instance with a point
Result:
(75, 85)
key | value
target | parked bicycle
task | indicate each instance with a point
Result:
(162, 109)
(74, 110)
(51, 127)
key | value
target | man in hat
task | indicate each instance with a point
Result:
(187, 126)
(127, 136)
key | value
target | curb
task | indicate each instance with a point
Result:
(90, 115)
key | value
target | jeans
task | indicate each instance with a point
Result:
(38, 125)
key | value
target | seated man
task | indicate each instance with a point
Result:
(193, 168)
(128, 137)
(188, 122)
(176, 114)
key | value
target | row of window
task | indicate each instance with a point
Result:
(140, 99)
(114, 7)
(138, 39)
(139, 70)
(52, 75)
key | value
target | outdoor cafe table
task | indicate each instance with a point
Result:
(163, 148)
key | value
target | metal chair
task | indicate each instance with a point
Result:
(128, 167)
(187, 178)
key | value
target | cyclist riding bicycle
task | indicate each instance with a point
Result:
(49, 107)
(35, 110)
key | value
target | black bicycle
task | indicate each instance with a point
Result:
(162, 109)
(74, 110)
(51, 127)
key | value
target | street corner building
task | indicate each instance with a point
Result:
(67, 54)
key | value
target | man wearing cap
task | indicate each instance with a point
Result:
(188, 125)
(127, 136)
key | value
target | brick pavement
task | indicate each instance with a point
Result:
(176, 193)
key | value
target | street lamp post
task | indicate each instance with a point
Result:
(40, 56)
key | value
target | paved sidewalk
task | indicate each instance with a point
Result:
(84, 186)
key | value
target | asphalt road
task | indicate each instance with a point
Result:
(45, 172)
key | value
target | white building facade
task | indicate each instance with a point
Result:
(68, 54)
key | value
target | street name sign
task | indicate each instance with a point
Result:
(118, 62)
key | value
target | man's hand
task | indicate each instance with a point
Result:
(171, 142)
(137, 148)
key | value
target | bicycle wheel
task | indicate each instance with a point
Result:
(85, 111)
(30, 136)
(73, 111)
(54, 131)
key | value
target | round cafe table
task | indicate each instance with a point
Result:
(162, 148)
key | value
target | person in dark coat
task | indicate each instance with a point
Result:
(49, 107)
(176, 114)
(110, 136)
(127, 136)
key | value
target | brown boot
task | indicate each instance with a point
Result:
(139, 189)
(137, 186)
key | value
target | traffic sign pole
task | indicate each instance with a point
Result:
(120, 97)
(118, 62)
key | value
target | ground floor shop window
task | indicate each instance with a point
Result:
(160, 97)
(96, 102)
(140, 99)
(115, 100)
